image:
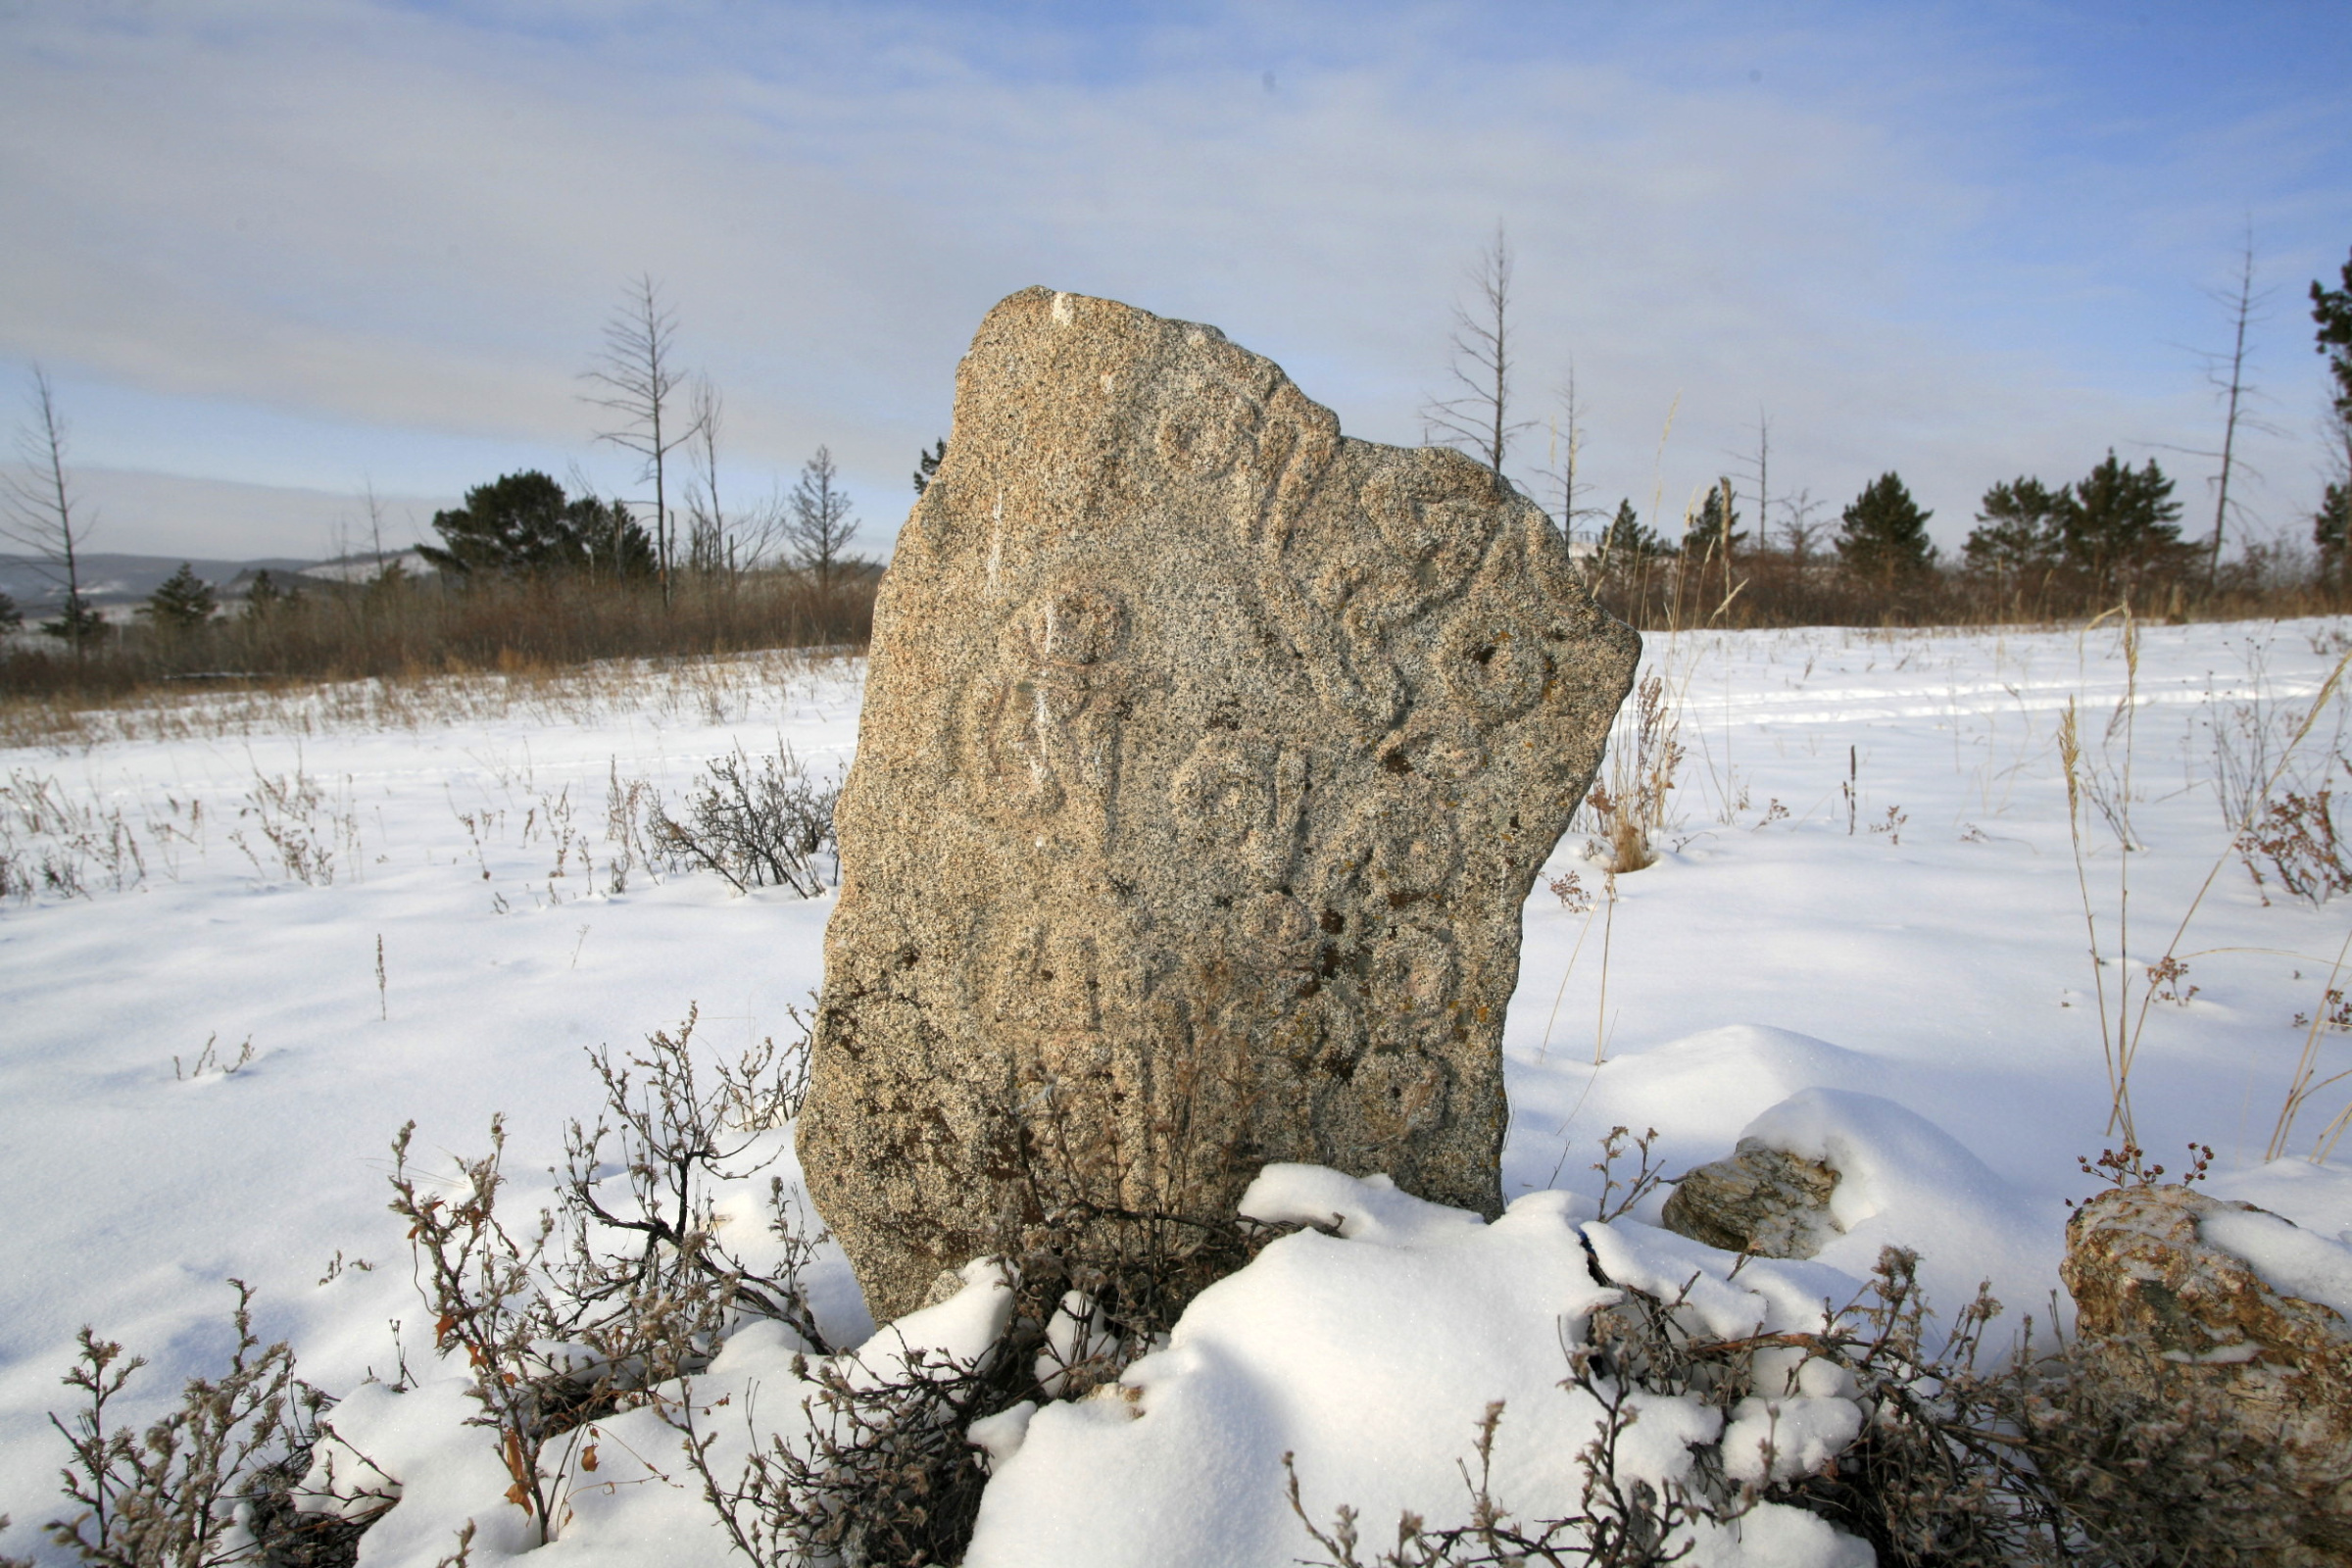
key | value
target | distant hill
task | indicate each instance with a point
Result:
(117, 581)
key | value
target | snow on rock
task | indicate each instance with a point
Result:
(2318, 1198)
(1905, 1182)
(2235, 1304)
(1367, 1208)
(2291, 1261)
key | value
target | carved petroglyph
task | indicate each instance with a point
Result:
(1207, 760)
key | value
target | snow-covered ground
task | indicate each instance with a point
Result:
(397, 904)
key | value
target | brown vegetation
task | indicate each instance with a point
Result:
(404, 627)
(1773, 587)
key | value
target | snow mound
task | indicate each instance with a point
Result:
(1702, 1087)
(1369, 1355)
(1905, 1182)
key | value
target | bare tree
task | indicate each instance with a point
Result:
(2226, 373)
(38, 510)
(1803, 527)
(1761, 467)
(1567, 453)
(821, 526)
(2234, 392)
(708, 550)
(639, 380)
(1476, 412)
(375, 522)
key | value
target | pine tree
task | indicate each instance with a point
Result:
(1884, 535)
(603, 540)
(2017, 528)
(1627, 540)
(2332, 310)
(821, 526)
(523, 523)
(1705, 534)
(264, 597)
(78, 622)
(927, 464)
(11, 618)
(2332, 532)
(2120, 523)
(514, 522)
(183, 601)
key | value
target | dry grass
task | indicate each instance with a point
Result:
(1767, 588)
(367, 656)
(715, 689)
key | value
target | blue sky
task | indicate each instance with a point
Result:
(273, 250)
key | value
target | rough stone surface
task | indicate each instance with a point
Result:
(2139, 1269)
(1206, 759)
(1761, 1199)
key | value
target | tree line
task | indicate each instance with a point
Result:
(2037, 549)
(523, 523)
(518, 536)
(2113, 528)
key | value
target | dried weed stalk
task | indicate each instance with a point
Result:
(1646, 753)
(885, 1474)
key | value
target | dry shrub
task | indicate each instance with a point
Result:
(2296, 835)
(608, 1296)
(1774, 587)
(707, 689)
(51, 843)
(210, 1484)
(407, 627)
(2097, 1454)
(886, 1474)
(764, 823)
(1121, 1213)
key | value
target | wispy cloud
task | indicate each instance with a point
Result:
(1921, 239)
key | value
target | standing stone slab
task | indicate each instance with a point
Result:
(1207, 756)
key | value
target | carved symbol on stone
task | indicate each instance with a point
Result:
(1413, 968)
(1399, 1094)
(1049, 722)
(1238, 796)
(1493, 662)
(1202, 438)
(1399, 850)
(1276, 932)
(1076, 625)
(1439, 537)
